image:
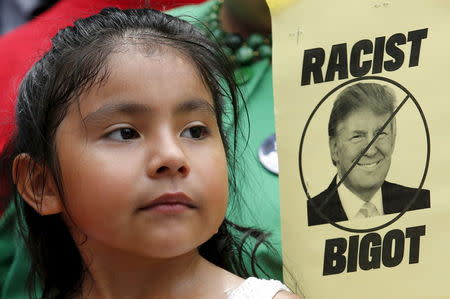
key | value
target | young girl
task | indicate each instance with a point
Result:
(120, 158)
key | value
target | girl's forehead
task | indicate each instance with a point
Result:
(123, 52)
(138, 75)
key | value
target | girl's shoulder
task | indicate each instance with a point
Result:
(253, 288)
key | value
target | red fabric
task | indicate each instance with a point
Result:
(20, 48)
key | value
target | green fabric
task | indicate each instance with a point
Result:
(14, 261)
(258, 187)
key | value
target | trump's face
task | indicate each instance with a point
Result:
(353, 134)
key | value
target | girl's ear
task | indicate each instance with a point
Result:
(36, 185)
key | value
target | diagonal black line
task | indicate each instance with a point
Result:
(363, 152)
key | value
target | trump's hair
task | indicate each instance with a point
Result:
(380, 99)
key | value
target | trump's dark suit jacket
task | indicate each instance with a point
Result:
(395, 199)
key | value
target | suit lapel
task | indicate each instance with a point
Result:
(333, 207)
(392, 202)
(388, 201)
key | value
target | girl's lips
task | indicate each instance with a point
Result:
(170, 202)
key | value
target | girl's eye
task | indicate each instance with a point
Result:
(196, 132)
(123, 134)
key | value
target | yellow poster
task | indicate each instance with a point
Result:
(363, 117)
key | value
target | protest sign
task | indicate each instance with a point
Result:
(362, 117)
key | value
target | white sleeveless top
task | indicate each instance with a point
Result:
(254, 288)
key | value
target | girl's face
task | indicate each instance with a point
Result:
(143, 167)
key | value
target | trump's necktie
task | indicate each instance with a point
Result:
(367, 210)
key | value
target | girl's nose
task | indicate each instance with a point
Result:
(168, 159)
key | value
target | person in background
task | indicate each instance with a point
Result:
(14, 13)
